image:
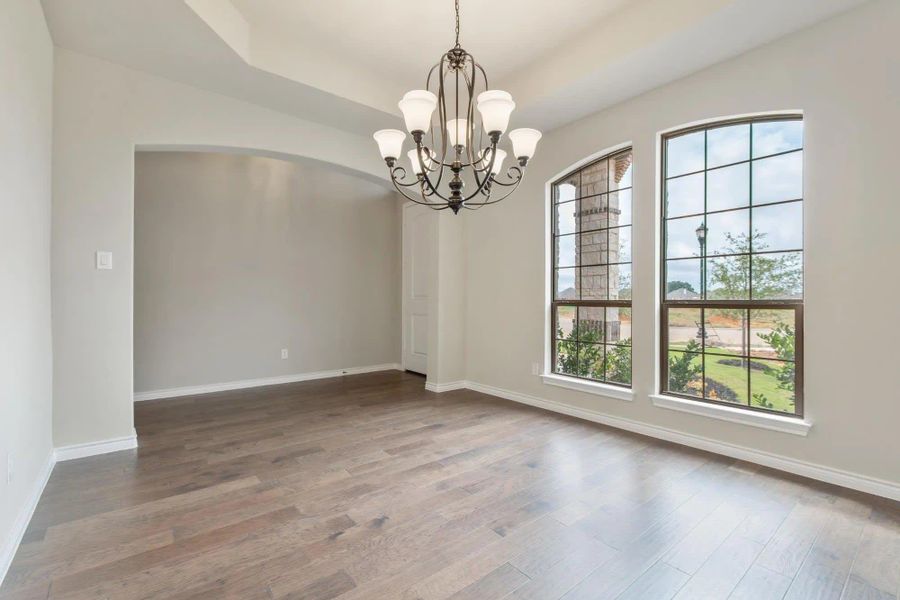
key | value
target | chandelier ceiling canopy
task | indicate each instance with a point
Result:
(457, 146)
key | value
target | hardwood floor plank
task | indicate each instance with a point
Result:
(497, 584)
(759, 583)
(825, 570)
(326, 588)
(660, 582)
(369, 487)
(787, 550)
(722, 572)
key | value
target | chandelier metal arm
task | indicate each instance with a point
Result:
(420, 200)
(512, 185)
(515, 178)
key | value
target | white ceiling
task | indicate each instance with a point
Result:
(503, 35)
(345, 63)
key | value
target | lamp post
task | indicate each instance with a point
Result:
(701, 239)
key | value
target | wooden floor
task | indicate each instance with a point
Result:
(370, 487)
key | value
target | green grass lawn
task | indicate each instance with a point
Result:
(735, 377)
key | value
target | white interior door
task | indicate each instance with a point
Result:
(419, 229)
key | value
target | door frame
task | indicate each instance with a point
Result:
(404, 284)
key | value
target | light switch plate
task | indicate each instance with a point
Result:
(104, 259)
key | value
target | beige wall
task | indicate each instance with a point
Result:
(102, 112)
(843, 74)
(237, 257)
(26, 80)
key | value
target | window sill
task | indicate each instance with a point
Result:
(591, 387)
(735, 415)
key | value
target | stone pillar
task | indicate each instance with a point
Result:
(599, 210)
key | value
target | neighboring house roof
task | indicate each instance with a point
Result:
(682, 294)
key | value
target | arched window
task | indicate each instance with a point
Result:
(591, 260)
(732, 264)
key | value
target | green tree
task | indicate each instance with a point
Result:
(586, 359)
(618, 362)
(781, 338)
(682, 369)
(774, 275)
(761, 401)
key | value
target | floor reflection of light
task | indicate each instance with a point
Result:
(564, 461)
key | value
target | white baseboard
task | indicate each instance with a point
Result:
(11, 544)
(445, 387)
(252, 383)
(94, 448)
(862, 483)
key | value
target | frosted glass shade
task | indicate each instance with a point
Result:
(456, 131)
(524, 142)
(390, 142)
(495, 107)
(498, 162)
(414, 161)
(417, 107)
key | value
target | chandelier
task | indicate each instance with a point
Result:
(457, 150)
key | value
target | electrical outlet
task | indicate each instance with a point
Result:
(284, 353)
(535, 368)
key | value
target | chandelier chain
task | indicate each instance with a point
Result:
(456, 6)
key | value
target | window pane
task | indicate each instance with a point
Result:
(730, 239)
(620, 244)
(565, 321)
(594, 283)
(683, 279)
(772, 385)
(728, 277)
(621, 202)
(726, 331)
(685, 372)
(778, 227)
(778, 178)
(593, 247)
(566, 254)
(565, 218)
(726, 145)
(567, 357)
(726, 379)
(620, 282)
(590, 323)
(685, 329)
(618, 325)
(777, 136)
(778, 276)
(618, 363)
(565, 284)
(566, 189)
(728, 232)
(590, 361)
(772, 333)
(681, 237)
(620, 171)
(593, 221)
(684, 154)
(684, 196)
(728, 187)
(595, 179)
(594, 213)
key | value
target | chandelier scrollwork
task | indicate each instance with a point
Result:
(459, 147)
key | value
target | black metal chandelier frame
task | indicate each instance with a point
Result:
(460, 67)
